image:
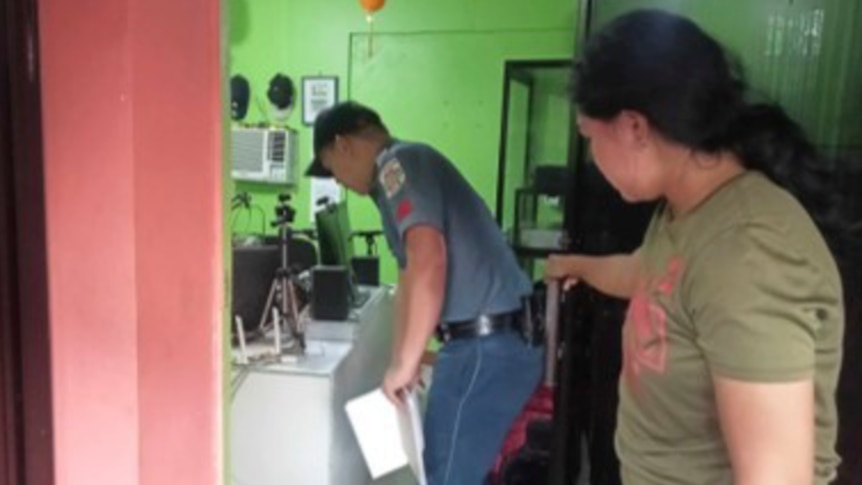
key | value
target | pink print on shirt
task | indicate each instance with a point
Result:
(645, 344)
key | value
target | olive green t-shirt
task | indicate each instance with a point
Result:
(742, 287)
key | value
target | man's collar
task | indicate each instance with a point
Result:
(383, 156)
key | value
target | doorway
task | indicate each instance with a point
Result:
(26, 438)
(534, 158)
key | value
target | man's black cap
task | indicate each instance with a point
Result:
(342, 119)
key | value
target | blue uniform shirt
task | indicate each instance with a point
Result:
(416, 185)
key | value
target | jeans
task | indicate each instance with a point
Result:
(479, 387)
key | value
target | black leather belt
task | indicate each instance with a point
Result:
(482, 326)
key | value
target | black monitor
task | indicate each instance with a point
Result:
(333, 236)
(335, 245)
(254, 268)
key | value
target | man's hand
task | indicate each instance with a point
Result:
(399, 378)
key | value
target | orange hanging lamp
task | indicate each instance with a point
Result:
(371, 7)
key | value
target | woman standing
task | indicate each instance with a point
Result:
(732, 343)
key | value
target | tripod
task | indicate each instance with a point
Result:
(281, 303)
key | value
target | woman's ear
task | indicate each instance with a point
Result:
(637, 129)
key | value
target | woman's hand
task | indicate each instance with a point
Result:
(562, 267)
(616, 275)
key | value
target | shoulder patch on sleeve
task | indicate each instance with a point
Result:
(392, 177)
(405, 208)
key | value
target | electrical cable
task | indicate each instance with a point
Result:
(258, 208)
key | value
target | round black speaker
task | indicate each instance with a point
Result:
(240, 92)
(282, 92)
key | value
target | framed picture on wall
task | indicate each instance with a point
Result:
(318, 93)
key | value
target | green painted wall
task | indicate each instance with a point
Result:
(435, 73)
(436, 70)
(802, 53)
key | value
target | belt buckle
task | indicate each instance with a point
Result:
(484, 326)
(443, 334)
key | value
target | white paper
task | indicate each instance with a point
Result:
(389, 438)
(323, 188)
(412, 438)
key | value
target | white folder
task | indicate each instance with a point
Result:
(390, 438)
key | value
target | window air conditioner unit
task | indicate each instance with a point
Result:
(264, 155)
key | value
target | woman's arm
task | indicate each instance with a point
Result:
(768, 430)
(615, 275)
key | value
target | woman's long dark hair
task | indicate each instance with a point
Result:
(667, 68)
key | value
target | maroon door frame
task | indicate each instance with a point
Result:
(9, 370)
(26, 449)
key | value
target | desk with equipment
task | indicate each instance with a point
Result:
(307, 338)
